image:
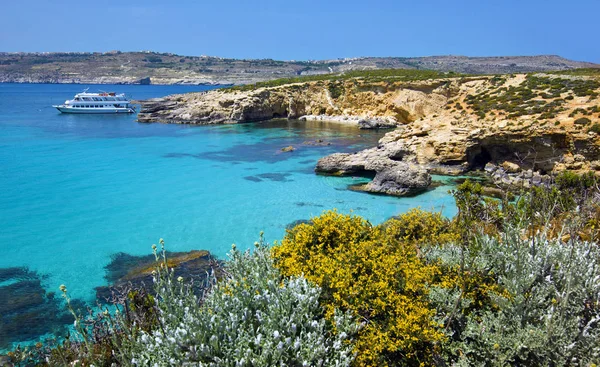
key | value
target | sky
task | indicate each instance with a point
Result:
(306, 29)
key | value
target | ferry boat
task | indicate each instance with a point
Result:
(103, 102)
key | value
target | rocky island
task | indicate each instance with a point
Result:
(519, 128)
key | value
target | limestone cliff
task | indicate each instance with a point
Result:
(520, 127)
(348, 100)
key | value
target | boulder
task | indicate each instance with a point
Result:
(511, 167)
(402, 179)
(373, 123)
(387, 163)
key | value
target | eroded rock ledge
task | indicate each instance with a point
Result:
(391, 175)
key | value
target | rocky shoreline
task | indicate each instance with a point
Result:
(437, 125)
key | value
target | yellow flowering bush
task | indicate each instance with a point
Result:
(377, 273)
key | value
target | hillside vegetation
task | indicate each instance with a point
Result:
(166, 68)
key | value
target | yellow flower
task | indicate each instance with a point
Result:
(374, 272)
(180, 279)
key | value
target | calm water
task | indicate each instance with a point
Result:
(76, 189)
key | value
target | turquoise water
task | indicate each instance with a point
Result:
(76, 189)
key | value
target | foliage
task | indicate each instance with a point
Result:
(504, 283)
(524, 99)
(389, 75)
(582, 121)
(253, 318)
(548, 314)
(579, 72)
(376, 273)
(595, 128)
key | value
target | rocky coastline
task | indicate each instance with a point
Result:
(439, 126)
(147, 67)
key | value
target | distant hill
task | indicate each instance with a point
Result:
(165, 68)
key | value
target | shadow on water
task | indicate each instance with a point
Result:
(306, 137)
(276, 177)
(27, 311)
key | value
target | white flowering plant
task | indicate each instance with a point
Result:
(548, 313)
(252, 317)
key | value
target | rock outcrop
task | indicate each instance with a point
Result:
(363, 103)
(391, 175)
(528, 126)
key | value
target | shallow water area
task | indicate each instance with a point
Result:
(77, 189)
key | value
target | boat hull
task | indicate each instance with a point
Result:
(111, 110)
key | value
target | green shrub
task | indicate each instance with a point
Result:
(595, 128)
(582, 121)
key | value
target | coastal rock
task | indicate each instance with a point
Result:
(439, 126)
(402, 179)
(144, 81)
(375, 124)
(385, 163)
(511, 167)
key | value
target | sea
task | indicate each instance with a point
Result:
(77, 189)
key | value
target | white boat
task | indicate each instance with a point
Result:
(103, 102)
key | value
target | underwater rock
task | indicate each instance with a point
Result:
(128, 271)
(28, 311)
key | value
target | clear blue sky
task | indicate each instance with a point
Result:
(306, 29)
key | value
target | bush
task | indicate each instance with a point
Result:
(582, 121)
(253, 318)
(376, 273)
(595, 128)
(549, 313)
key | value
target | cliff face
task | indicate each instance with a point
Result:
(351, 100)
(519, 128)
